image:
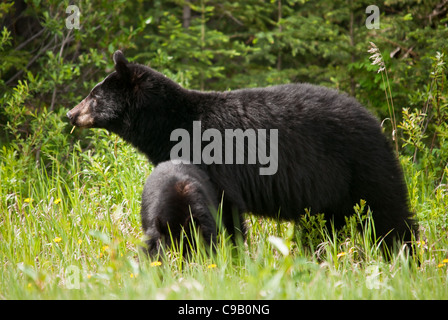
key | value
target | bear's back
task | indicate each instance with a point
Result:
(324, 139)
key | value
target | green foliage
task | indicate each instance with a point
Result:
(425, 130)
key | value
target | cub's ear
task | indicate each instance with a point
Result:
(121, 65)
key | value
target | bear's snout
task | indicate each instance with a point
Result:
(80, 115)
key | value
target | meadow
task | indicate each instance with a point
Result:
(73, 232)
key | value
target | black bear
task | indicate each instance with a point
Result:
(327, 151)
(175, 195)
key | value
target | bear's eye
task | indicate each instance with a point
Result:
(94, 94)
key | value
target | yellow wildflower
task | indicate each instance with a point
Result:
(57, 239)
(341, 254)
(104, 248)
(445, 261)
(421, 243)
(79, 241)
(28, 200)
(57, 200)
(440, 265)
(211, 266)
(156, 264)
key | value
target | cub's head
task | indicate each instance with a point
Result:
(107, 104)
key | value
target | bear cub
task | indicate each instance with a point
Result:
(175, 196)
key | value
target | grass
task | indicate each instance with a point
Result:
(72, 230)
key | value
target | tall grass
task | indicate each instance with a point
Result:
(73, 232)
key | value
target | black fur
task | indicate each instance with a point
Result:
(331, 151)
(174, 196)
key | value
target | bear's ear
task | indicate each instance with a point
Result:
(121, 65)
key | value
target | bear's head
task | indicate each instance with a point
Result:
(107, 101)
(112, 102)
(140, 105)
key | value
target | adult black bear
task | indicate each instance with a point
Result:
(330, 152)
(174, 196)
